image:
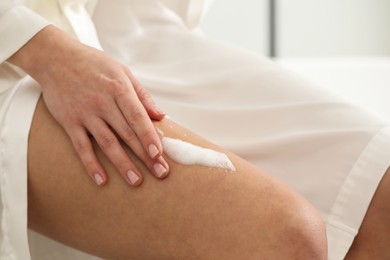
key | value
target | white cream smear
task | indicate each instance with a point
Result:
(189, 154)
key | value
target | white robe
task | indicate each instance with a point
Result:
(330, 151)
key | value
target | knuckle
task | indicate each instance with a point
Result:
(80, 146)
(146, 137)
(127, 70)
(97, 101)
(106, 141)
(137, 114)
(117, 87)
(128, 134)
(144, 94)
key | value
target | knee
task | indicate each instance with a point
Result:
(305, 233)
(287, 227)
(279, 224)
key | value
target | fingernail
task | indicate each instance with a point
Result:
(159, 169)
(159, 110)
(132, 177)
(153, 151)
(98, 179)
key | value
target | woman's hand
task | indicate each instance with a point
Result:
(90, 93)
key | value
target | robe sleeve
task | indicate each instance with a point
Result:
(18, 24)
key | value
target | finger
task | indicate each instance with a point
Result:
(111, 147)
(137, 118)
(159, 167)
(83, 147)
(154, 111)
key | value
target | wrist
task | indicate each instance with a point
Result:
(42, 52)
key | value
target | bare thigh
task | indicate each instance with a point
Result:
(195, 213)
(373, 239)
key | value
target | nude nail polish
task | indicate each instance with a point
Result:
(132, 177)
(98, 179)
(153, 151)
(159, 110)
(159, 169)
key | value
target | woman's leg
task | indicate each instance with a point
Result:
(373, 239)
(196, 213)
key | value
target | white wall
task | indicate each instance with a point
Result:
(305, 27)
(240, 22)
(318, 28)
(334, 27)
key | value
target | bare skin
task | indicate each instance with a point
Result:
(89, 93)
(373, 239)
(195, 213)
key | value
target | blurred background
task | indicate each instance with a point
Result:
(343, 45)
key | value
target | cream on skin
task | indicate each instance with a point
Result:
(189, 154)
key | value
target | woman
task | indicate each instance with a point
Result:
(95, 118)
